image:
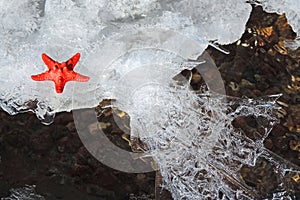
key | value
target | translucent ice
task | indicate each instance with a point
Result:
(198, 151)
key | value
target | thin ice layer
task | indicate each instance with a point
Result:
(61, 28)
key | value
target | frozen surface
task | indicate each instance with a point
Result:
(131, 50)
(61, 28)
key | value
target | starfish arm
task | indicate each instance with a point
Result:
(48, 61)
(73, 61)
(82, 78)
(59, 87)
(73, 76)
(41, 77)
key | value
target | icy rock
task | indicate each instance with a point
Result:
(291, 8)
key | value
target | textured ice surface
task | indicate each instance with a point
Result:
(61, 28)
(198, 152)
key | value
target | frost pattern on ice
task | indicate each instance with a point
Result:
(19, 18)
(191, 137)
(129, 8)
(61, 28)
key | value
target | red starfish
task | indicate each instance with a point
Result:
(60, 73)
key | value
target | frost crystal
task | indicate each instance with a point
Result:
(19, 18)
(192, 139)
